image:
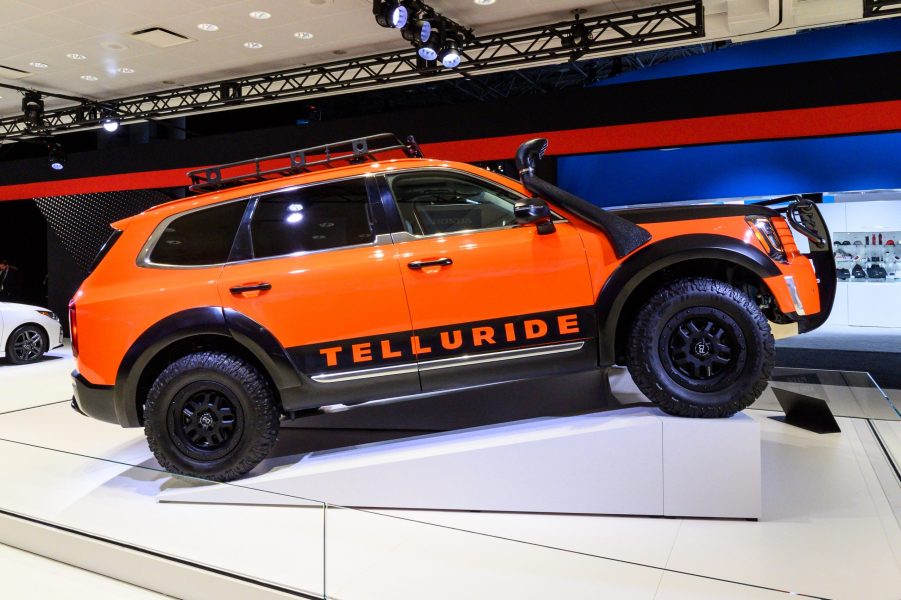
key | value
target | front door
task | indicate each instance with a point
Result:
(322, 281)
(489, 300)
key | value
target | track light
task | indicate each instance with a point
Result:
(110, 124)
(33, 108)
(57, 157)
(450, 55)
(390, 13)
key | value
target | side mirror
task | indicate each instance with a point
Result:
(534, 211)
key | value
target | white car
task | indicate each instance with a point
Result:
(27, 332)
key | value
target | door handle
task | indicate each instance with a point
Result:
(252, 287)
(416, 265)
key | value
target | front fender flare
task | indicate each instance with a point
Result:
(659, 255)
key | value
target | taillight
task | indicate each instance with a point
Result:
(73, 327)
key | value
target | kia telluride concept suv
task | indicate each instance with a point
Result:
(338, 275)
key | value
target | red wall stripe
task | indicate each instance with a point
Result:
(782, 124)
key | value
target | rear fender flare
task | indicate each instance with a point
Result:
(190, 323)
(656, 256)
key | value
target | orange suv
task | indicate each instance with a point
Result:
(360, 271)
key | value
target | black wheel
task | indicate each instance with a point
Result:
(701, 348)
(27, 344)
(211, 415)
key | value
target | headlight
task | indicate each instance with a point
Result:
(49, 314)
(767, 236)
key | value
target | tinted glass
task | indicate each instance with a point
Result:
(318, 217)
(433, 202)
(203, 237)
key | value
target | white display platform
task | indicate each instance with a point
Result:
(635, 461)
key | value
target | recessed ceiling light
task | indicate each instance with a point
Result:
(303, 35)
(89, 78)
(484, 2)
(259, 14)
(126, 70)
(39, 65)
(114, 46)
(76, 56)
(207, 27)
(253, 45)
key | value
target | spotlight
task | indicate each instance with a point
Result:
(418, 31)
(33, 108)
(428, 51)
(450, 55)
(57, 157)
(390, 13)
(110, 124)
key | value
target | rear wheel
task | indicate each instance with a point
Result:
(701, 348)
(27, 344)
(211, 415)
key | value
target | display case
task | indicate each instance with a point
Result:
(874, 256)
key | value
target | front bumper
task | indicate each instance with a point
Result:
(95, 401)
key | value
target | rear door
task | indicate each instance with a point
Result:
(489, 300)
(321, 279)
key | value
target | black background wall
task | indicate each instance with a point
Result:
(22, 242)
(77, 227)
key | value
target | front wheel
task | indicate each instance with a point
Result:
(210, 415)
(701, 348)
(26, 345)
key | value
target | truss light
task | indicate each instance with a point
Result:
(450, 55)
(428, 51)
(390, 13)
(110, 124)
(57, 157)
(33, 108)
(418, 31)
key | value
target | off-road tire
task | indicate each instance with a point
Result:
(658, 341)
(186, 384)
(35, 332)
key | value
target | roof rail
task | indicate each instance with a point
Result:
(352, 152)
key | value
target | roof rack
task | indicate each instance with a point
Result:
(352, 152)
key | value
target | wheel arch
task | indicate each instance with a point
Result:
(708, 255)
(191, 331)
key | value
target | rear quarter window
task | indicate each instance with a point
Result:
(202, 237)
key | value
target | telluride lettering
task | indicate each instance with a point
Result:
(512, 332)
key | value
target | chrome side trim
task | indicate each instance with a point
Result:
(447, 363)
(403, 369)
(793, 292)
(466, 360)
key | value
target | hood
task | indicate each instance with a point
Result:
(685, 212)
(10, 306)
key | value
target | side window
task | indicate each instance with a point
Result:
(433, 202)
(202, 237)
(317, 217)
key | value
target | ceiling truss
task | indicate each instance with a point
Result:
(560, 42)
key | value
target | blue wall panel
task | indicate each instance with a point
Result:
(861, 39)
(857, 162)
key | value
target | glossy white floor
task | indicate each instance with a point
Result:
(830, 524)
